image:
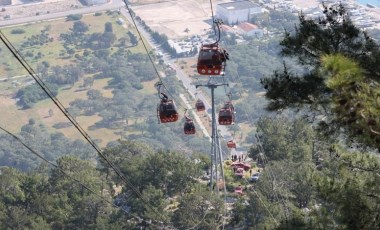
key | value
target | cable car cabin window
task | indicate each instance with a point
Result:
(206, 58)
(200, 105)
(189, 127)
(167, 112)
(211, 60)
(228, 106)
(226, 117)
(167, 107)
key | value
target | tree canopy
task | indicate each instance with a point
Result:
(325, 82)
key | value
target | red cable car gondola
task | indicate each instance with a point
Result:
(200, 105)
(211, 60)
(226, 114)
(166, 110)
(189, 127)
(231, 144)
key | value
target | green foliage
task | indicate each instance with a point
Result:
(37, 40)
(200, 210)
(133, 38)
(155, 175)
(108, 27)
(275, 20)
(11, 186)
(80, 27)
(31, 94)
(282, 139)
(354, 101)
(74, 17)
(351, 188)
(39, 201)
(328, 188)
(17, 31)
(50, 145)
(334, 98)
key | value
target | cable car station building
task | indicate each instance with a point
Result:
(233, 13)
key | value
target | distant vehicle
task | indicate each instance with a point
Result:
(239, 190)
(255, 177)
(7, 17)
(120, 21)
(205, 177)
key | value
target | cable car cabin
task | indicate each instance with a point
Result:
(189, 127)
(211, 60)
(200, 105)
(231, 144)
(226, 114)
(167, 111)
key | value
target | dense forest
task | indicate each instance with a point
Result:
(317, 144)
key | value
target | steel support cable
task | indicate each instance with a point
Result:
(266, 207)
(271, 174)
(265, 160)
(212, 16)
(220, 151)
(146, 49)
(226, 80)
(43, 86)
(67, 175)
(263, 157)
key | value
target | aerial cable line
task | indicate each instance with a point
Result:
(67, 175)
(44, 87)
(213, 18)
(146, 50)
(263, 156)
(273, 177)
(266, 207)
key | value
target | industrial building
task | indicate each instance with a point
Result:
(236, 12)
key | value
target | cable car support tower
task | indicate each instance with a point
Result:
(216, 149)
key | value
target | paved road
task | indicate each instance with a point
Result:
(197, 119)
(112, 5)
(15, 77)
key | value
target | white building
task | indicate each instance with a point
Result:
(236, 12)
(94, 2)
(5, 2)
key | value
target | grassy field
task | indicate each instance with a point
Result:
(13, 118)
(10, 67)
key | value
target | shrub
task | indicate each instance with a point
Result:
(17, 31)
(74, 17)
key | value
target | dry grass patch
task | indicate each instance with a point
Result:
(11, 117)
